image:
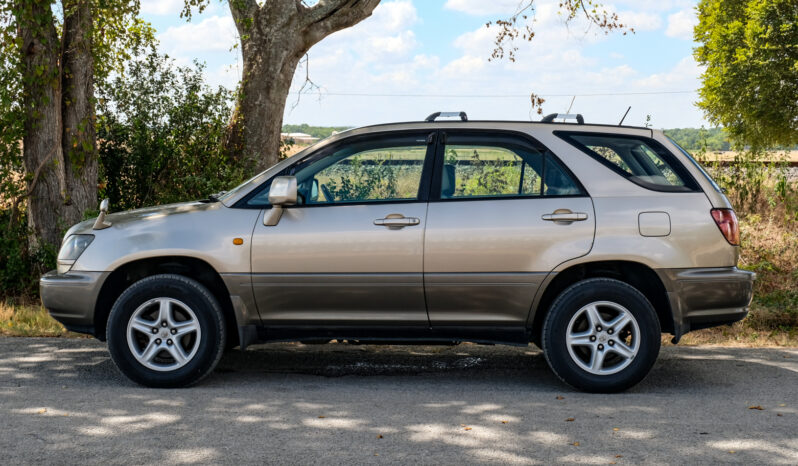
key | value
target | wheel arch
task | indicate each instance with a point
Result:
(130, 272)
(636, 274)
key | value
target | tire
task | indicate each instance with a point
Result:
(178, 354)
(624, 353)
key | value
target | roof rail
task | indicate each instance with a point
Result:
(435, 115)
(570, 116)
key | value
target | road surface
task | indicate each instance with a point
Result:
(62, 401)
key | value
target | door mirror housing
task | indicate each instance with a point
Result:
(282, 192)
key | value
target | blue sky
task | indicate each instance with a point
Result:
(414, 57)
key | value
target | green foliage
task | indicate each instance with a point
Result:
(694, 139)
(320, 132)
(22, 265)
(358, 180)
(750, 86)
(161, 134)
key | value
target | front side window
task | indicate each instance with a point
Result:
(641, 160)
(502, 170)
(366, 171)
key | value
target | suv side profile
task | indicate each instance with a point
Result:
(587, 240)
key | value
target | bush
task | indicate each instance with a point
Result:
(160, 133)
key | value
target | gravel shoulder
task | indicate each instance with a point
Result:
(62, 401)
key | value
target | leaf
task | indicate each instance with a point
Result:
(619, 456)
(379, 435)
(757, 407)
(322, 417)
(42, 411)
(732, 451)
(558, 397)
(505, 422)
(466, 428)
(570, 419)
(576, 444)
(615, 429)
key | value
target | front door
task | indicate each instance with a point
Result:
(503, 213)
(351, 251)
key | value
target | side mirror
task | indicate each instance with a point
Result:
(282, 192)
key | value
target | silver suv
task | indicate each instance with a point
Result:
(588, 240)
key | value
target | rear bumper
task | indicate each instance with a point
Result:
(707, 297)
(71, 297)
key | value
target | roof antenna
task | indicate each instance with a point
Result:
(569, 107)
(624, 115)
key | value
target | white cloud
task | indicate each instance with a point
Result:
(683, 76)
(215, 33)
(640, 21)
(161, 7)
(681, 24)
(483, 7)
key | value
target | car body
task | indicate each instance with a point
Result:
(415, 232)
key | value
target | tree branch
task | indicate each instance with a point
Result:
(328, 16)
(243, 12)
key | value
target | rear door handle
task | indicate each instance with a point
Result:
(564, 216)
(397, 221)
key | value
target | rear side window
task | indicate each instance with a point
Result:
(478, 166)
(642, 160)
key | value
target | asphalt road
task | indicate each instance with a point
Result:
(62, 401)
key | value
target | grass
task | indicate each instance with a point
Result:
(30, 320)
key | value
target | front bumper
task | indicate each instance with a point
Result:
(71, 297)
(707, 297)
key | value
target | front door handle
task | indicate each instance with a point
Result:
(397, 221)
(564, 216)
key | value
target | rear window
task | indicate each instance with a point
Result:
(643, 161)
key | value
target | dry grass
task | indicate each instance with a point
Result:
(30, 320)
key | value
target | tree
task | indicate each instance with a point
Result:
(750, 86)
(54, 66)
(274, 37)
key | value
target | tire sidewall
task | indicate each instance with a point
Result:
(572, 300)
(190, 293)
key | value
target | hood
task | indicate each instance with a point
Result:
(156, 215)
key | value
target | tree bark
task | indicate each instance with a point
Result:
(42, 154)
(274, 37)
(78, 135)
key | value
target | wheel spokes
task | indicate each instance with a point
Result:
(598, 342)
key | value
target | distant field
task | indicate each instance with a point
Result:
(773, 156)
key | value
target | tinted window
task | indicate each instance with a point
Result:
(367, 171)
(642, 160)
(509, 170)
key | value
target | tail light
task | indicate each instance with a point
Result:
(728, 225)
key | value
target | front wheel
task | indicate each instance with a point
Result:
(601, 335)
(166, 331)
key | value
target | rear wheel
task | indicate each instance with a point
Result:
(166, 331)
(601, 335)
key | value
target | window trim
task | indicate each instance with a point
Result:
(690, 183)
(510, 138)
(424, 182)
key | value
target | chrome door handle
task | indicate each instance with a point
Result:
(397, 221)
(565, 215)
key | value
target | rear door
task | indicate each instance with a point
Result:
(503, 212)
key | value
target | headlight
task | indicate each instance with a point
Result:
(72, 248)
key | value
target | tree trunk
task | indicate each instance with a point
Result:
(78, 136)
(42, 154)
(274, 37)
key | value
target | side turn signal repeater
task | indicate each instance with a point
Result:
(238, 241)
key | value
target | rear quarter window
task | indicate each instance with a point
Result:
(641, 160)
